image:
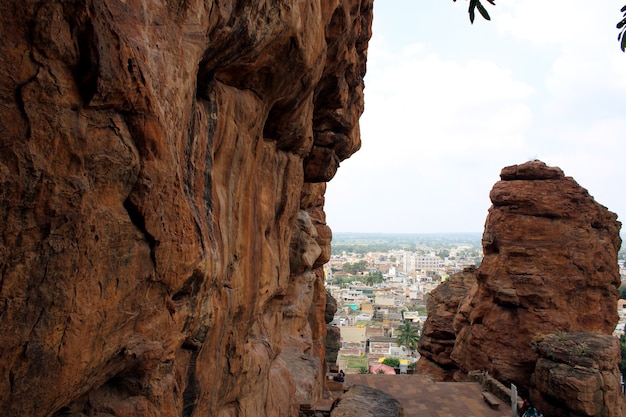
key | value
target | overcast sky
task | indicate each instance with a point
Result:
(449, 104)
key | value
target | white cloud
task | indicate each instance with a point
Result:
(424, 104)
(560, 22)
(438, 126)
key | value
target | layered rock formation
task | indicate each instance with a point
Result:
(162, 186)
(438, 334)
(577, 375)
(549, 266)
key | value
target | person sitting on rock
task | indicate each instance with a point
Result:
(339, 377)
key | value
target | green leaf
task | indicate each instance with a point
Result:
(472, 6)
(483, 11)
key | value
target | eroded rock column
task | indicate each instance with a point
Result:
(550, 265)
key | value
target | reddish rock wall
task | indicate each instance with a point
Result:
(162, 180)
(550, 265)
(438, 334)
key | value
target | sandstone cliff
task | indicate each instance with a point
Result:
(549, 266)
(162, 178)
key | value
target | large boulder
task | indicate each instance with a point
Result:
(550, 265)
(364, 401)
(577, 375)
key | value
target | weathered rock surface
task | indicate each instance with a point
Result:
(162, 169)
(438, 334)
(550, 265)
(362, 401)
(333, 334)
(577, 375)
(549, 272)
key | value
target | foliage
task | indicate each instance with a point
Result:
(622, 26)
(622, 292)
(412, 365)
(476, 4)
(364, 370)
(393, 362)
(408, 335)
(342, 282)
(374, 278)
(353, 268)
(362, 243)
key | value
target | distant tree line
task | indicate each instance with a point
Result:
(353, 268)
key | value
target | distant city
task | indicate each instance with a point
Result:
(382, 281)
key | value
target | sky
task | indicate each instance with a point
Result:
(449, 104)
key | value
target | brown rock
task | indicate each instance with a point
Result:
(438, 333)
(333, 344)
(550, 265)
(577, 375)
(155, 159)
(331, 308)
(364, 401)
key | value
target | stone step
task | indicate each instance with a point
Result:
(491, 400)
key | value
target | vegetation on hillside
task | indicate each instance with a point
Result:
(362, 243)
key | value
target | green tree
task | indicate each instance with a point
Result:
(393, 362)
(353, 268)
(374, 278)
(408, 335)
(622, 292)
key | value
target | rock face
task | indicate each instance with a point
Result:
(333, 334)
(438, 334)
(364, 401)
(549, 267)
(162, 179)
(577, 375)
